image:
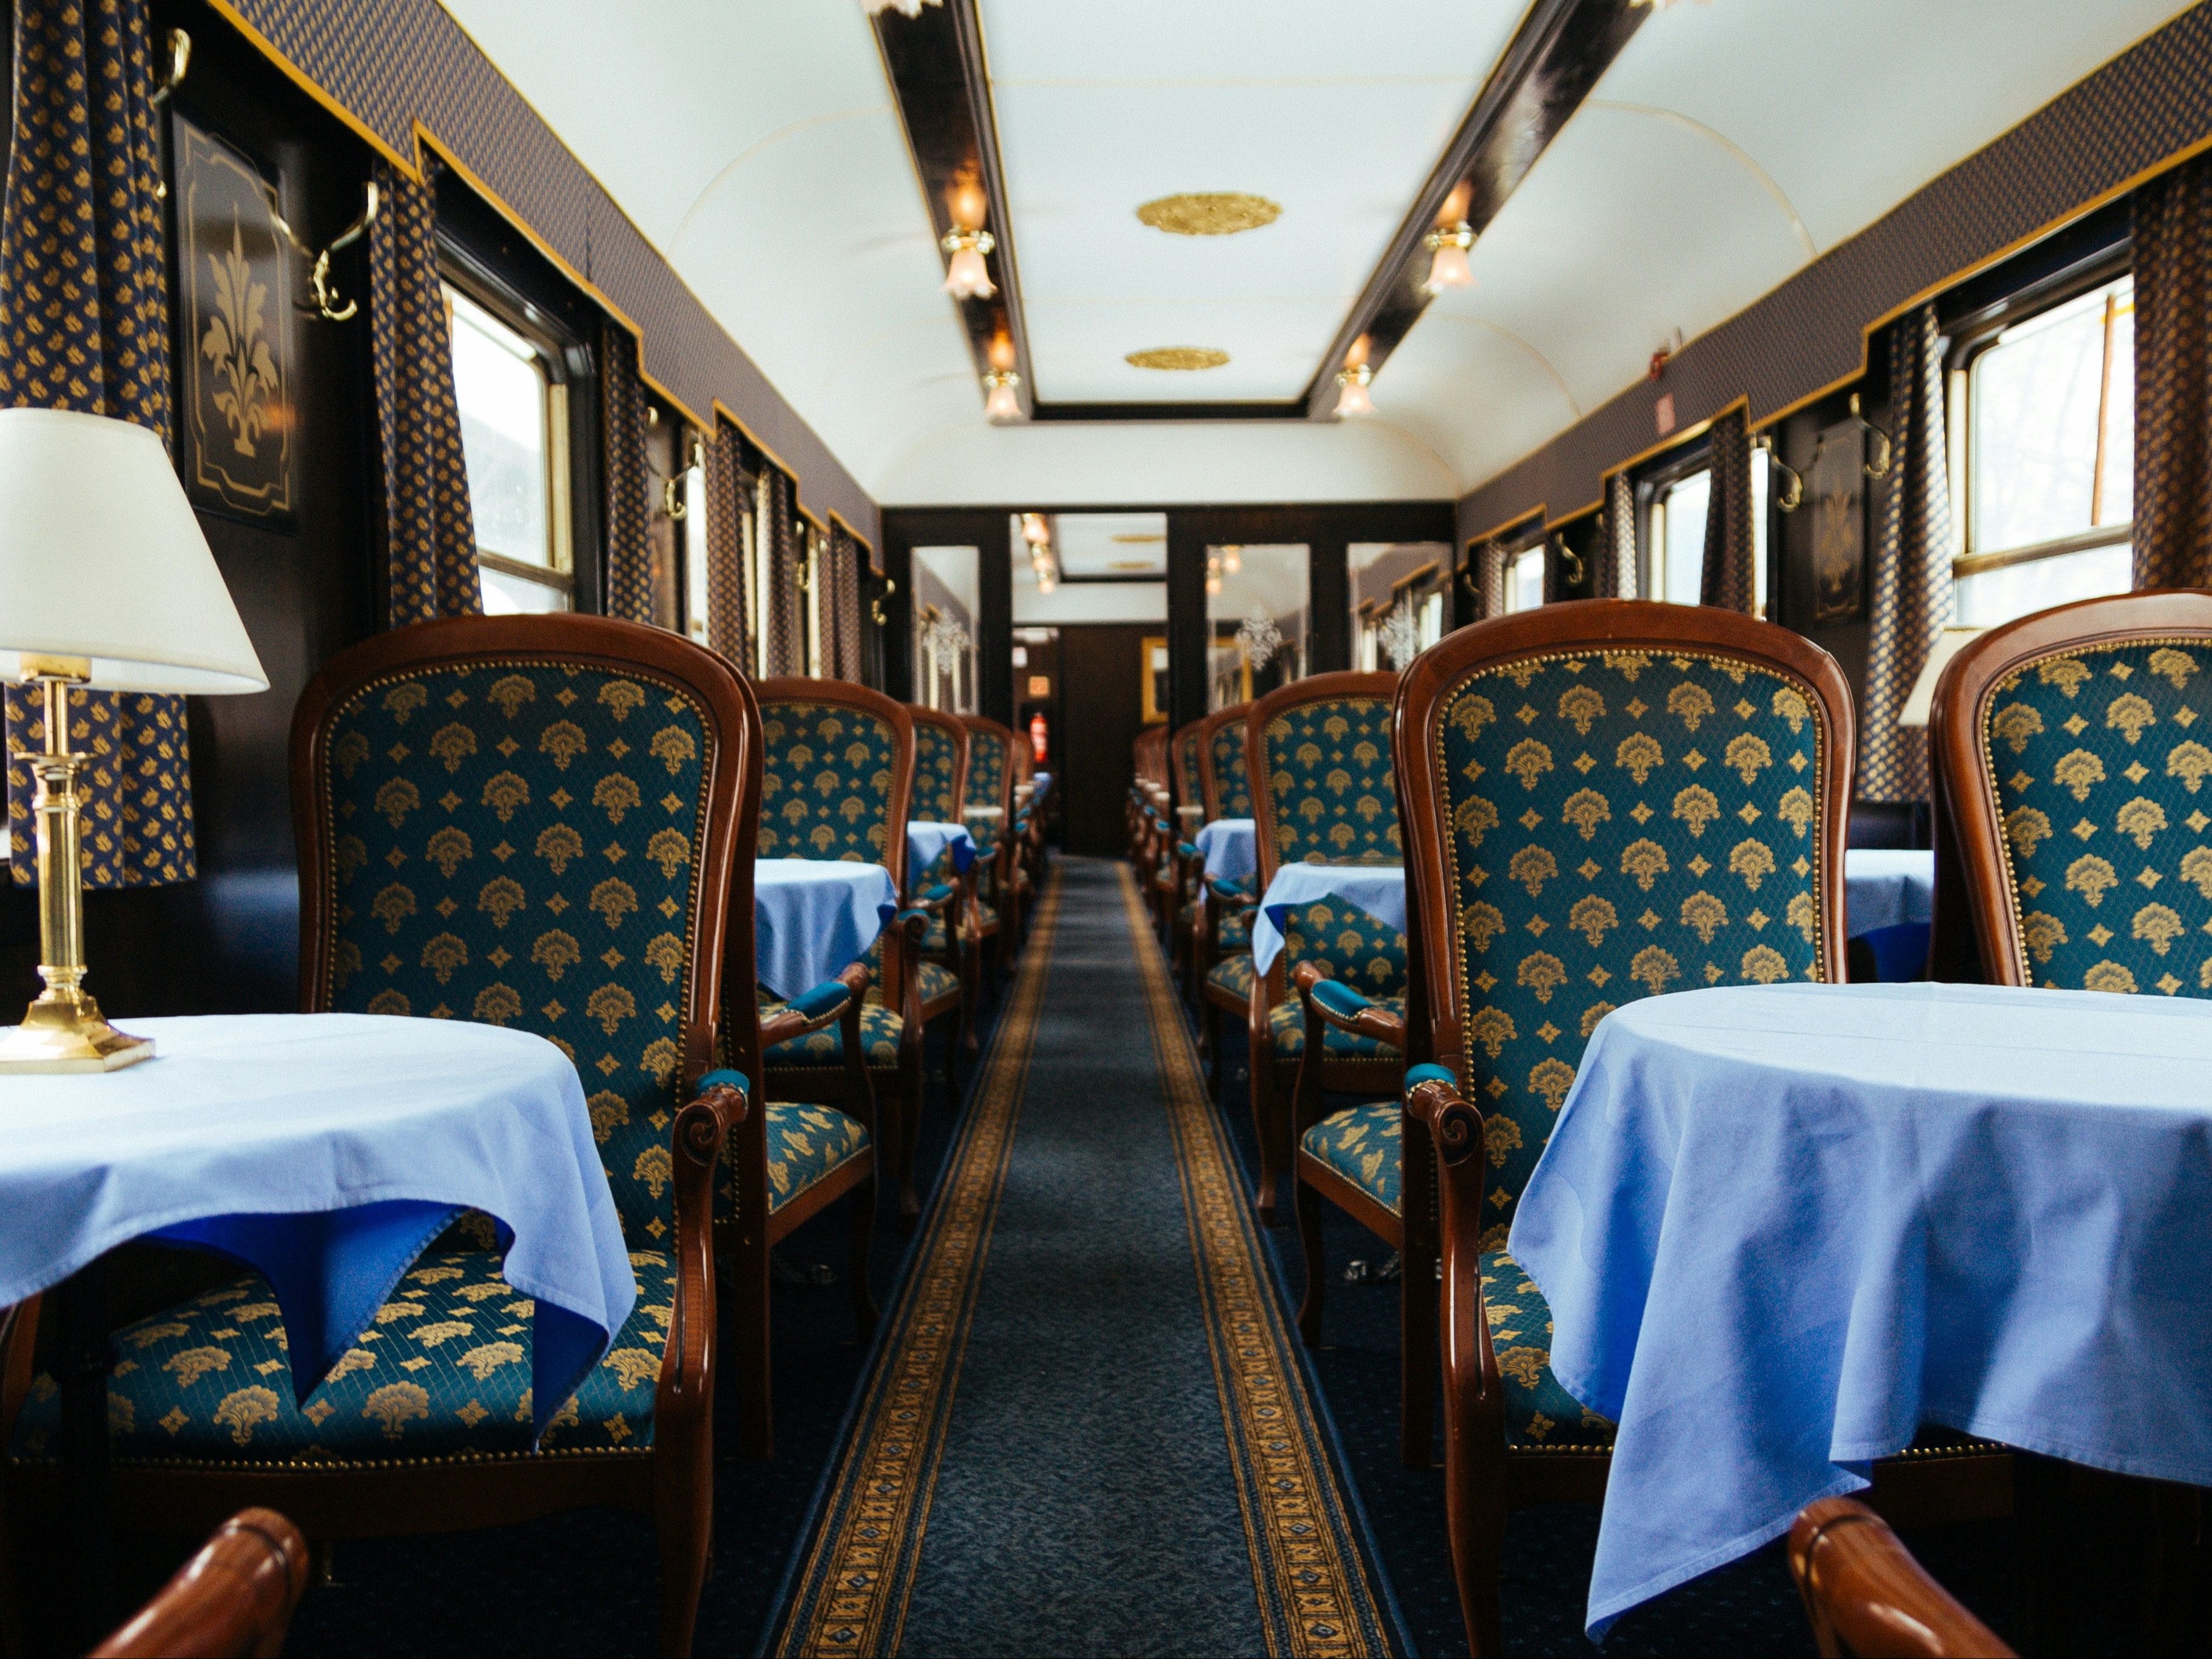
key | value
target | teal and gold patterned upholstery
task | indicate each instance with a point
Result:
(444, 1370)
(1617, 826)
(1190, 791)
(1287, 1024)
(1349, 945)
(1329, 782)
(880, 1031)
(515, 844)
(2099, 769)
(1362, 1146)
(1231, 788)
(936, 799)
(988, 756)
(806, 1144)
(1236, 931)
(826, 784)
(1234, 975)
(1538, 1411)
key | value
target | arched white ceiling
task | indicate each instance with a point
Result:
(756, 145)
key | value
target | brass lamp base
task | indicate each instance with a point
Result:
(55, 1036)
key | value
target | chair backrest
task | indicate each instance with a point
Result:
(990, 771)
(1865, 1594)
(1607, 799)
(544, 822)
(940, 765)
(837, 761)
(1228, 793)
(234, 1600)
(1319, 754)
(1189, 785)
(2072, 770)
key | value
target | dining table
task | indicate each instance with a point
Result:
(813, 918)
(325, 1151)
(1780, 1228)
(927, 840)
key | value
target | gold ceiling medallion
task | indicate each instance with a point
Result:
(1209, 213)
(1177, 357)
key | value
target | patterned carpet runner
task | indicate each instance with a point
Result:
(1087, 1431)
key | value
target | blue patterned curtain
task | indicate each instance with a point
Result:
(1912, 564)
(84, 311)
(430, 535)
(629, 523)
(1729, 567)
(727, 628)
(1613, 572)
(2174, 379)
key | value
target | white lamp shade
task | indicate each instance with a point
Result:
(1948, 644)
(100, 557)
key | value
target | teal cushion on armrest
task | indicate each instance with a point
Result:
(817, 1000)
(726, 1080)
(1417, 1075)
(1340, 998)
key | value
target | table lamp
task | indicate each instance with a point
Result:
(106, 582)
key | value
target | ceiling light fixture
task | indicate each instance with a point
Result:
(1351, 397)
(906, 7)
(965, 275)
(1001, 403)
(1035, 531)
(1449, 242)
(1232, 559)
(1209, 213)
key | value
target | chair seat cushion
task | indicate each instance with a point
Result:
(1236, 931)
(1232, 975)
(805, 1145)
(986, 916)
(1286, 1023)
(881, 1031)
(935, 980)
(1538, 1411)
(1362, 1146)
(444, 1370)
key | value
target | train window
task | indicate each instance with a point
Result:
(515, 426)
(695, 554)
(1676, 536)
(1524, 579)
(2043, 431)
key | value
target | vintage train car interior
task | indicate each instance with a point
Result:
(954, 828)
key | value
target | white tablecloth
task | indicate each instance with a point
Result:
(1378, 889)
(1884, 886)
(814, 918)
(1780, 1227)
(324, 1151)
(1230, 852)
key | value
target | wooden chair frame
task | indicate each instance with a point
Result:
(1865, 1594)
(1486, 1478)
(963, 943)
(1274, 1081)
(235, 1598)
(1973, 874)
(672, 1478)
(848, 1083)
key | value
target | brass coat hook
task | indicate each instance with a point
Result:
(326, 298)
(673, 504)
(1570, 563)
(180, 59)
(876, 606)
(1792, 494)
(1878, 467)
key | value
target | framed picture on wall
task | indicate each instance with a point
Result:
(1835, 491)
(235, 321)
(1153, 675)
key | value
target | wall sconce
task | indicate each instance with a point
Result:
(1351, 397)
(1449, 242)
(965, 276)
(1035, 531)
(1232, 559)
(1001, 405)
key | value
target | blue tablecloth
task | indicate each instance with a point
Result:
(1229, 850)
(325, 1151)
(926, 840)
(1043, 782)
(1885, 888)
(1780, 1227)
(1378, 889)
(814, 918)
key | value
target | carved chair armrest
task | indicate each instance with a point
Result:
(1228, 893)
(697, 1140)
(1474, 1389)
(236, 1595)
(813, 1009)
(1333, 1000)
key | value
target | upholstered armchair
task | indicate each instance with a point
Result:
(1224, 922)
(547, 824)
(1318, 753)
(988, 812)
(1026, 863)
(1605, 799)
(838, 764)
(940, 786)
(1181, 866)
(2069, 770)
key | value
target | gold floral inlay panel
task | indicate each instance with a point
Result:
(1177, 357)
(1209, 213)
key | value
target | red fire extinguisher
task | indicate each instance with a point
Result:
(1037, 736)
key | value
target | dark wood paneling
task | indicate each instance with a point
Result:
(1101, 670)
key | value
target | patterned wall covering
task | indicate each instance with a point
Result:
(84, 312)
(728, 631)
(2174, 379)
(430, 535)
(629, 523)
(2099, 757)
(387, 65)
(1912, 564)
(2126, 119)
(1730, 558)
(1617, 826)
(826, 788)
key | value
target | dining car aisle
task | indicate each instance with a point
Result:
(1087, 1431)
